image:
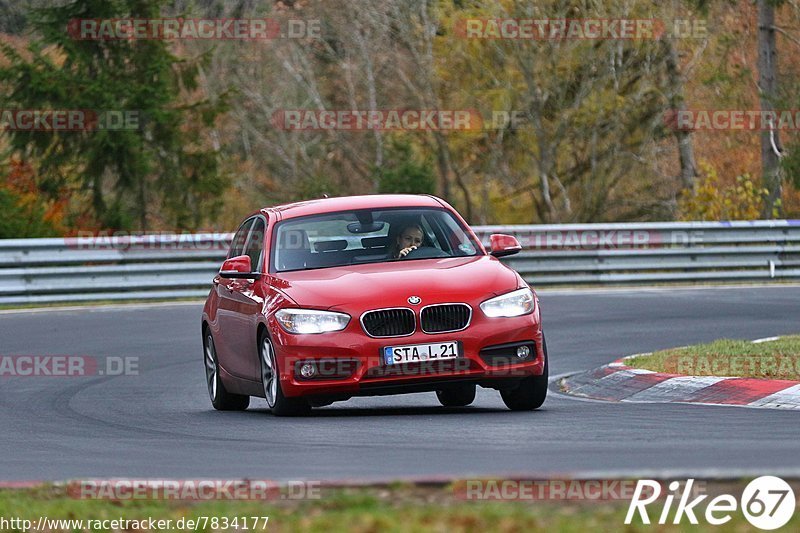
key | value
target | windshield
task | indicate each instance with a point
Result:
(369, 236)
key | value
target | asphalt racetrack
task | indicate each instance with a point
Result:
(160, 423)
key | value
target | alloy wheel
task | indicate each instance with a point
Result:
(211, 367)
(269, 378)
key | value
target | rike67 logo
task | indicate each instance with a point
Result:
(767, 502)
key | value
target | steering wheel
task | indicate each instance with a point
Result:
(425, 252)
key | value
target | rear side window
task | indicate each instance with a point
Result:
(237, 246)
(255, 244)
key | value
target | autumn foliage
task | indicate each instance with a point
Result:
(27, 211)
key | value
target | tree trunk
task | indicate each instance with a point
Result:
(676, 105)
(467, 196)
(767, 82)
(142, 204)
(443, 164)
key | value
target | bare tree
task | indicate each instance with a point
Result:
(771, 150)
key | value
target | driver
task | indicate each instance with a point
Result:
(409, 238)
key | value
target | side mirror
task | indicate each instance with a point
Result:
(238, 267)
(503, 245)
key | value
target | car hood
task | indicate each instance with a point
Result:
(377, 285)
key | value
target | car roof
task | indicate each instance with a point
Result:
(345, 203)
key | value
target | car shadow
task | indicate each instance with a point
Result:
(333, 412)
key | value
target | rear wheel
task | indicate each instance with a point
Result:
(221, 399)
(278, 403)
(459, 395)
(532, 390)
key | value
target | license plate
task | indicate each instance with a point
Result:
(395, 355)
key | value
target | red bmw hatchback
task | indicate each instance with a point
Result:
(324, 300)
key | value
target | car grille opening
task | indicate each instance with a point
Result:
(445, 317)
(389, 322)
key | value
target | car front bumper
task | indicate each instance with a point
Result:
(350, 363)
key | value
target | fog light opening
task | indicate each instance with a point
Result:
(523, 352)
(308, 370)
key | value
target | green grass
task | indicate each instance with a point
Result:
(374, 509)
(778, 359)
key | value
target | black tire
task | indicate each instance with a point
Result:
(221, 399)
(279, 404)
(532, 390)
(459, 395)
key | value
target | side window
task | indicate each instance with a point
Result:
(255, 244)
(237, 245)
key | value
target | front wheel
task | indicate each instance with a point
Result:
(221, 399)
(532, 390)
(278, 403)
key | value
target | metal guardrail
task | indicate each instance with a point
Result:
(182, 266)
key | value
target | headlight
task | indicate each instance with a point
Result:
(311, 321)
(516, 303)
